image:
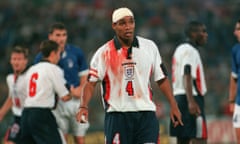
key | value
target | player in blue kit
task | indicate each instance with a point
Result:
(234, 90)
(74, 65)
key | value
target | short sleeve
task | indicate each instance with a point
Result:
(97, 66)
(158, 72)
(59, 82)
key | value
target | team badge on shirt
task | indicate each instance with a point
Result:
(70, 63)
(129, 71)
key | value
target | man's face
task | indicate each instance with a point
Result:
(59, 36)
(124, 28)
(201, 35)
(18, 62)
(237, 31)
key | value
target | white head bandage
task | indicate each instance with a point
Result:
(121, 13)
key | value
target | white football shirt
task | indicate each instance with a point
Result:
(44, 80)
(126, 82)
(186, 54)
(17, 91)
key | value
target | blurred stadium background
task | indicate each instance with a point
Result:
(26, 22)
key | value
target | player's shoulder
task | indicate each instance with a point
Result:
(143, 40)
(185, 47)
(73, 48)
(42, 65)
(45, 67)
(10, 77)
(147, 44)
(49, 65)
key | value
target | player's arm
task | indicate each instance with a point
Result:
(77, 91)
(5, 108)
(232, 92)
(66, 97)
(85, 99)
(83, 74)
(166, 89)
(187, 82)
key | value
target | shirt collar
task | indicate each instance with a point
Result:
(117, 44)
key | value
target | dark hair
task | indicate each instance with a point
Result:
(58, 25)
(192, 27)
(47, 47)
(20, 49)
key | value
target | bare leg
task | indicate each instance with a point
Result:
(238, 135)
(79, 139)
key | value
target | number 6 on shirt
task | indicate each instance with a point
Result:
(33, 84)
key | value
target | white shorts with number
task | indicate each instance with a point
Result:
(236, 116)
(65, 114)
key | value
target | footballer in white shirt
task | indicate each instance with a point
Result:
(189, 86)
(44, 81)
(125, 65)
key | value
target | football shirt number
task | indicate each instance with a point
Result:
(33, 84)
(129, 88)
(116, 139)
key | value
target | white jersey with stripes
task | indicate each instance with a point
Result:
(186, 54)
(126, 82)
(44, 80)
(17, 92)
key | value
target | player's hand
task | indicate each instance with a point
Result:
(231, 107)
(176, 116)
(194, 108)
(82, 115)
(76, 91)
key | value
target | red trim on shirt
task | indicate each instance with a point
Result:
(198, 79)
(107, 88)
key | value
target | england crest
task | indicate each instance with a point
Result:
(129, 71)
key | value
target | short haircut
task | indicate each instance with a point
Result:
(192, 27)
(58, 25)
(20, 49)
(47, 47)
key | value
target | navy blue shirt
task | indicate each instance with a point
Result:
(236, 68)
(72, 62)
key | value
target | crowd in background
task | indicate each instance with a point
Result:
(89, 25)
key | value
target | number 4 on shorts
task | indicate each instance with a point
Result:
(116, 139)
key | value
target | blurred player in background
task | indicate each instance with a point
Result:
(43, 81)
(234, 90)
(189, 86)
(16, 92)
(125, 65)
(74, 65)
